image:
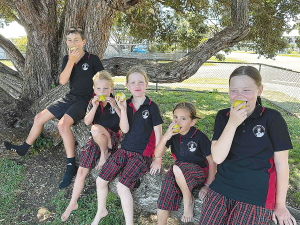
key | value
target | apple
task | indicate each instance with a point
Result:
(121, 96)
(73, 48)
(101, 98)
(237, 102)
(176, 126)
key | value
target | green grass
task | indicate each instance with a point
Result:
(87, 208)
(203, 80)
(290, 55)
(10, 180)
(7, 62)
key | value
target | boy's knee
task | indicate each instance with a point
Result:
(63, 127)
(121, 188)
(100, 182)
(38, 118)
(177, 171)
(82, 172)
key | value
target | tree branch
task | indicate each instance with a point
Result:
(187, 66)
(15, 55)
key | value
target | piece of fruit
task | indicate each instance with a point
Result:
(101, 98)
(176, 126)
(237, 102)
(121, 96)
(73, 48)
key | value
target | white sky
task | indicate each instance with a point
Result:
(14, 30)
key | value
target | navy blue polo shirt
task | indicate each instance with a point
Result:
(140, 137)
(248, 174)
(193, 147)
(105, 116)
(81, 83)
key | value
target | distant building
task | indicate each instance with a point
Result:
(291, 37)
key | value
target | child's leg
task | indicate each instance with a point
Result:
(169, 198)
(78, 186)
(102, 192)
(127, 202)
(188, 199)
(162, 216)
(64, 127)
(102, 138)
(39, 120)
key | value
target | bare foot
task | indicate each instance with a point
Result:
(99, 216)
(68, 211)
(102, 160)
(188, 211)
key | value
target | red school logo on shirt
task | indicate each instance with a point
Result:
(259, 131)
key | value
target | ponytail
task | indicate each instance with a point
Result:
(258, 101)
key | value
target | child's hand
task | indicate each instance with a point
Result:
(122, 105)
(74, 55)
(283, 216)
(237, 115)
(95, 101)
(203, 192)
(155, 166)
(170, 131)
(111, 101)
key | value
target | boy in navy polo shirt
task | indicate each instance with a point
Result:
(104, 138)
(141, 122)
(191, 151)
(78, 67)
(250, 144)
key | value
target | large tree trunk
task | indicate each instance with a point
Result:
(40, 21)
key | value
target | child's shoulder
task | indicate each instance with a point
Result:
(199, 134)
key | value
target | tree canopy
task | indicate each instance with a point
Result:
(204, 26)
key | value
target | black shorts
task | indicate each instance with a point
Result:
(71, 105)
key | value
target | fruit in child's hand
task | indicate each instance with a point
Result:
(101, 98)
(121, 96)
(237, 102)
(176, 126)
(73, 48)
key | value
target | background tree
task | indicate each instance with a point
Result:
(45, 22)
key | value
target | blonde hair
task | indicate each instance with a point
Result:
(104, 75)
(137, 69)
(188, 106)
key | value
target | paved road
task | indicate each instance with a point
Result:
(292, 63)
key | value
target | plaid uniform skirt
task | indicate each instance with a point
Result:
(90, 152)
(220, 210)
(170, 195)
(130, 165)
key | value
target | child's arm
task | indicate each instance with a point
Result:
(113, 104)
(221, 147)
(210, 177)
(161, 147)
(282, 180)
(66, 73)
(89, 117)
(124, 124)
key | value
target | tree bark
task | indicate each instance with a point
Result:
(15, 55)
(40, 22)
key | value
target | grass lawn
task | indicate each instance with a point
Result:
(207, 104)
(6, 62)
(290, 55)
